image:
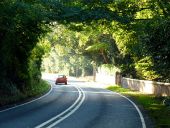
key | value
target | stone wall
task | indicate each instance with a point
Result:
(149, 87)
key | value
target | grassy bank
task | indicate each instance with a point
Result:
(159, 113)
(35, 91)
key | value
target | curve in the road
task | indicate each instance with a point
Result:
(65, 114)
(138, 110)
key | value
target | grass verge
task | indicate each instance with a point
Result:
(31, 93)
(158, 112)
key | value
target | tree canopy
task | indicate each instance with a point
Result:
(132, 35)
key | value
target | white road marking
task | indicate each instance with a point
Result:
(71, 112)
(72, 109)
(136, 107)
(28, 102)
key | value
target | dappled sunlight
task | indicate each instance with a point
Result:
(92, 43)
(105, 79)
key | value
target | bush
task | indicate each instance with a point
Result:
(15, 96)
(144, 69)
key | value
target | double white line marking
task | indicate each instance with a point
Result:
(63, 115)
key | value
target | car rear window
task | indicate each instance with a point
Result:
(60, 76)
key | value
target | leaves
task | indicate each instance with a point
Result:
(120, 32)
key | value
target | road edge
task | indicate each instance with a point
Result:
(137, 108)
(33, 99)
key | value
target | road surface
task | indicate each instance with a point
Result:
(76, 105)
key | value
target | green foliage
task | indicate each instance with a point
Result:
(66, 56)
(132, 35)
(17, 97)
(144, 69)
(20, 30)
(132, 28)
(35, 60)
(109, 69)
(159, 49)
(102, 49)
(97, 47)
(146, 37)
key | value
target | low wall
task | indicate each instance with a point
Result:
(149, 87)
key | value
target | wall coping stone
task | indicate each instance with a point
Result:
(149, 81)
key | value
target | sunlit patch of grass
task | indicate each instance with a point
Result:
(118, 89)
(154, 105)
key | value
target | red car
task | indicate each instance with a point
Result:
(61, 79)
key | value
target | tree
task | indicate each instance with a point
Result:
(66, 54)
(20, 30)
(134, 26)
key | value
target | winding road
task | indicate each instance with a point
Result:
(76, 105)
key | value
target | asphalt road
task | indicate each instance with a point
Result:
(75, 105)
